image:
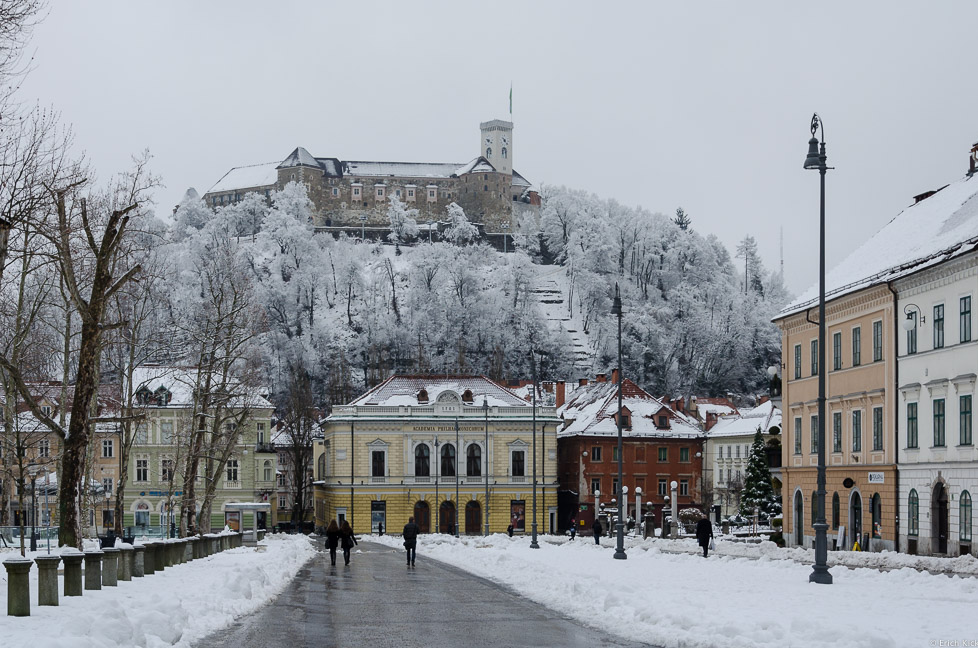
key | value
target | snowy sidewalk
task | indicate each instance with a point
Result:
(171, 608)
(683, 600)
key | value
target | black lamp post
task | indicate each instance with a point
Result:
(32, 470)
(620, 526)
(816, 160)
(437, 503)
(485, 410)
(457, 457)
(533, 527)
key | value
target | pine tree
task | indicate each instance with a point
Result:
(682, 219)
(758, 491)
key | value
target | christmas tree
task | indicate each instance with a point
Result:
(758, 491)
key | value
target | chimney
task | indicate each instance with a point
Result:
(614, 376)
(560, 393)
(711, 420)
(582, 382)
(973, 160)
(601, 378)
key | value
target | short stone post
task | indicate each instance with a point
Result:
(110, 567)
(93, 570)
(159, 555)
(149, 557)
(73, 570)
(125, 562)
(188, 549)
(138, 561)
(167, 549)
(47, 579)
(18, 585)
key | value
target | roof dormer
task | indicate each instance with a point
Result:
(422, 396)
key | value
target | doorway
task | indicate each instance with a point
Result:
(799, 519)
(422, 516)
(473, 518)
(856, 518)
(939, 519)
(446, 517)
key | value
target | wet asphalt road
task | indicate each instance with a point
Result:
(378, 602)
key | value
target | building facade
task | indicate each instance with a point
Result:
(938, 362)
(434, 447)
(353, 196)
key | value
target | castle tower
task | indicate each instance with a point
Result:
(496, 144)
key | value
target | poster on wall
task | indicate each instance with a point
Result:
(517, 515)
(233, 520)
(378, 516)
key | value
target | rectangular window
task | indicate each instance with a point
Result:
(938, 422)
(684, 455)
(614, 453)
(166, 433)
(108, 518)
(837, 351)
(663, 454)
(261, 432)
(614, 487)
(877, 429)
(519, 467)
(43, 449)
(107, 486)
(596, 453)
(912, 334)
(281, 498)
(377, 463)
(836, 431)
(814, 357)
(232, 470)
(142, 434)
(166, 470)
(877, 341)
(107, 449)
(939, 326)
(857, 346)
(814, 430)
(797, 435)
(966, 419)
(964, 324)
(738, 451)
(142, 470)
(595, 485)
(911, 425)
(857, 431)
(729, 450)
(797, 361)
(684, 487)
(663, 487)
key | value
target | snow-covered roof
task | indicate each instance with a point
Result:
(520, 181)
(937, 228)
(401, 169)
(247, 177)
(299, 157)
(591, 410)
(478, 165)
(765, 416)
(180, 382)
(403, 390)
(720, 409)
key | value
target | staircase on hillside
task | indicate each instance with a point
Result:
(548, 290)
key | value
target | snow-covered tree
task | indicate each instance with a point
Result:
(404, 224)
(459, 231)
(758, 492)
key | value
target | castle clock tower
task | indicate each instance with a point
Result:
(496, 144)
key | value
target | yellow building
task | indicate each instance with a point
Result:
(417, 445)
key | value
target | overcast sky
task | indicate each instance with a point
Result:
(693, 104)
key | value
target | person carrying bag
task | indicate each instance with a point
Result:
(347, 540)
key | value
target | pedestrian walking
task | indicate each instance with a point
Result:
(598, 530)
(347, 540)
(332, 540)
(704, 535)
(410, 533)
(573, 526)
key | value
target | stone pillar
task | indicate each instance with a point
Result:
(73, 571)
(159, 555)
(674, 527)
(110, 567)
(168, 553)
(188, 549)
(138, 561)
(149, 557)
(125, 562)
(18, 585)
(93, 570)
(47, 579)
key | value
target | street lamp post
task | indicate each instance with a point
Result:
(47, 511)
(620, 526)
(485, 461)
(816, 160)
(505, 237)
(457, 458)
(437, 478)
(533, 536)
(429, 230)
(33, 470)
(363, 225)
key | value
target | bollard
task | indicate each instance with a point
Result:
(47, 579)
(18, 585)
(149, 557)
(93, 570)
(167, 553)
(73, 570)
(138, 561)
(188, 549)
(159, 555)
(125, 562)
(110, 567)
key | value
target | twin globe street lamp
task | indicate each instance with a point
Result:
(620, 526)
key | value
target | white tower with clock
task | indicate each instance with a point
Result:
(496, 144)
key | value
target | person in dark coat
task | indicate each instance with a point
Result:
(598, 530)
(704, 533)
(347, 540)
(509, 530)
(332, 540)
(411, 531)
(573, 527)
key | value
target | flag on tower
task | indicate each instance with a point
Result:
(511, 99)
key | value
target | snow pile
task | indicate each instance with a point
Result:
(676, 600)
(177, 607)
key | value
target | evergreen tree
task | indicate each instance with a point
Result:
(682, 219)
(758, 491)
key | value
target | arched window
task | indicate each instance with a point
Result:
(814, 507)
(422, 461)
(913, 513)
(448, 460)
(504, 153)
(877, 512)
(488, 152)
(267, 471)
(321, 467)
(965, 521)
(473, 461)
(835, 510)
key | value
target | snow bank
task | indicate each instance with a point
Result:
(175, 607)
(674, 600)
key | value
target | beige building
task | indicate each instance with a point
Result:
(428, 446)
(860, 429)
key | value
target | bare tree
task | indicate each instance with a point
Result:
(300, 419)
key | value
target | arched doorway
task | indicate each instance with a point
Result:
(422, 516)
(856, 518)
(799, 519)
(446, 522)
(876, 507)
(939, 519)
(473, 517)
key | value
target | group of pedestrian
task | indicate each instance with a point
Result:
(340, 536)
